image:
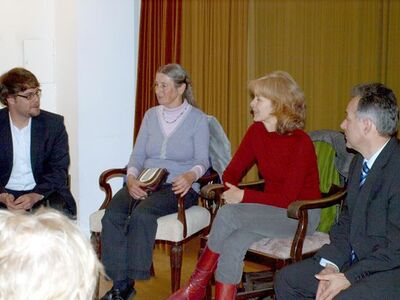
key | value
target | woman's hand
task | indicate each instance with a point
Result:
(233, 194)
(135, 187)
(182, 184)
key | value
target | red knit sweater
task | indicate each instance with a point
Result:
(287, 163)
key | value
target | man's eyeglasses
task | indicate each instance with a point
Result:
(30, 96)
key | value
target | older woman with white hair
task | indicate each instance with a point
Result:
(44, 256)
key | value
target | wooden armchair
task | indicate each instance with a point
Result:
(275, 253)
(175, 229)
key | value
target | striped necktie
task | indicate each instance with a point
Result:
(364, 173)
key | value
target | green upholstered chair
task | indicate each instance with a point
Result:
(328, 176)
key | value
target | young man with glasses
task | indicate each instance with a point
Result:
(34, 154)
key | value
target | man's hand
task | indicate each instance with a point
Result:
(331, 282)
(323, 284)
(26, 201)
(8, 200)
(233, 194)
(135, 187)
(182, 184)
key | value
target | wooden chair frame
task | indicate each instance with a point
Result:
(176, 247)
(297, 210)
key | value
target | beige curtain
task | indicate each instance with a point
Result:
(328, 46)
(391, 65)
(214, 51)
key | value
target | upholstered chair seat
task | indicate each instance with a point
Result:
(280, 247)
(169, 227)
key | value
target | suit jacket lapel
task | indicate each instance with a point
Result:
(6, 143)
(375, 174)
(365, 194)
(37, 137)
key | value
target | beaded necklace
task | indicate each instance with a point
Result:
(176, 119)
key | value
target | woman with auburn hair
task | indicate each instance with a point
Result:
(286, 159)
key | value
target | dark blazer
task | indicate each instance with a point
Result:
(370, 220)
(49, 154)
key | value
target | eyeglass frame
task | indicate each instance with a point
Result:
(30, 97)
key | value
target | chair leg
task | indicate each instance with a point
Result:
(95, 240)
(176, 266)
(96, 244)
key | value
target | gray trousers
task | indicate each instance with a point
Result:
(237, 226)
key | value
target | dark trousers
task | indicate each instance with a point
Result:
(53, 200)
(297, 281)
(128, 239)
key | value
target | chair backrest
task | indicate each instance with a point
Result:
(337, 140)
(220, 147)
(328, 176)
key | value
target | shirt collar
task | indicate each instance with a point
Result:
(371, 161)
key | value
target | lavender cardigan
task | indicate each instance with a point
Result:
(185, 147)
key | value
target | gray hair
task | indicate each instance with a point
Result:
(378, 103)
(45, 256)
(179, 76)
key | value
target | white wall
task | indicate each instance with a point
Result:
(107, 76)
(95, 58)
(24, 20)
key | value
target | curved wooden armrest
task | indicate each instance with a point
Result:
(211, 195)
(296, 207)
(299, 210)
(103, 182)
(253, 185)
(206, 179)
(211, 190)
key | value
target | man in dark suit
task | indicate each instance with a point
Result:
(363, 259)
(34, 154)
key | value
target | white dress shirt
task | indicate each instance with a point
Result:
(21, 178)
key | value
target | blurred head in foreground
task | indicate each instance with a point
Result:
(45, 256)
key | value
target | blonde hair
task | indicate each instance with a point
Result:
(45, 256)
(287, 99)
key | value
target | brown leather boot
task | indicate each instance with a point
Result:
(196, 287)
(225, 291)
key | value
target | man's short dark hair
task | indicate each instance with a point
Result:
(14, 81)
